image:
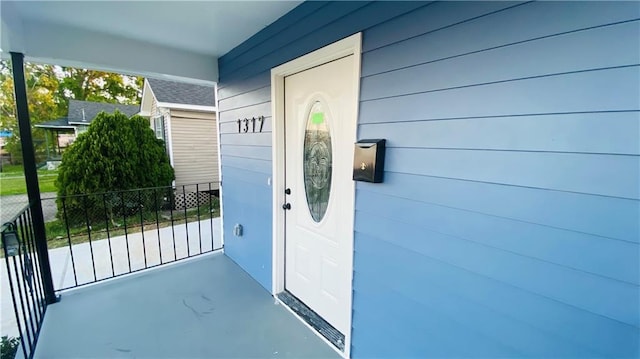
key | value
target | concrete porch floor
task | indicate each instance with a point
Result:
(206, 307)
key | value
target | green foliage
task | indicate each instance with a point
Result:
(48, 90)
(98, 86)
(8, 347)
(115, 153)
(42, 85)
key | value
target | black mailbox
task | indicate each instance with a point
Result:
(368, 161)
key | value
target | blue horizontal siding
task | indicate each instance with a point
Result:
(247, 202)
(235, 138)
(617, 300)
(246, 175)
(525, 97)
(254, 97)
(566, 330)
(614, 218)
(256, 165)
(602, 133)
(238, 87)
(601, 256)
(446, 316)
(252, 152)
(507, 225)
(596, 47)
(582, 173)
(248, 111)
(430, 325)
(525, 23)
(428, 19)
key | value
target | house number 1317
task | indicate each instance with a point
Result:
(243, 125)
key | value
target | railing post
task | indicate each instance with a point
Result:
(31, 174)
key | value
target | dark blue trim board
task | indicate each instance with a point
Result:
(508, 223)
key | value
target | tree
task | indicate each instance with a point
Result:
(42, 86)
(115, 153)
(48, 90)
(98, 86)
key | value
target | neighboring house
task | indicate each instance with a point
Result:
(5, 156)
(79, 117)
(184, 116)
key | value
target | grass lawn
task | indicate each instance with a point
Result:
(12, 180)
(17, 185)
(11, 169)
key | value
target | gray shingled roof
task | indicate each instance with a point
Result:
(81, 112)
(182, 93)
(61, 123)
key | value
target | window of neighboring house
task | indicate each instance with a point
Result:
(158, 127)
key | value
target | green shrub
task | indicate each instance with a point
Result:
(8, 347)
(116, 153)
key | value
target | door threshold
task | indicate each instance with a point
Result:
(312, 318)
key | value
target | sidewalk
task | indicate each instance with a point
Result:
(155, 246)
(11, 205)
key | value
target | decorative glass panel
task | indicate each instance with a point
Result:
(317, 161)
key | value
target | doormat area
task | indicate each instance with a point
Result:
(322, 326)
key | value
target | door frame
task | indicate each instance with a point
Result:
(351, 45)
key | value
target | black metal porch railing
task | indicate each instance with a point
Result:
(94, 237)
(25, 279)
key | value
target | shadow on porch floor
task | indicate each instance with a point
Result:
(202, 308)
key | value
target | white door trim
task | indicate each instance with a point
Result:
(351, 45)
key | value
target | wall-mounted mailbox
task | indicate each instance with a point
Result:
(368, 161)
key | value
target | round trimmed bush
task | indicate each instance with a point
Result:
(116, 153)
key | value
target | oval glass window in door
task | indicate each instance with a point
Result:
(317, 161)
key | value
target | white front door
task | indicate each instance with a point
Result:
(320, 125)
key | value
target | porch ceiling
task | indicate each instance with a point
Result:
(165, 39)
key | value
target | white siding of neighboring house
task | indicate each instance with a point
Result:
(195, 148)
